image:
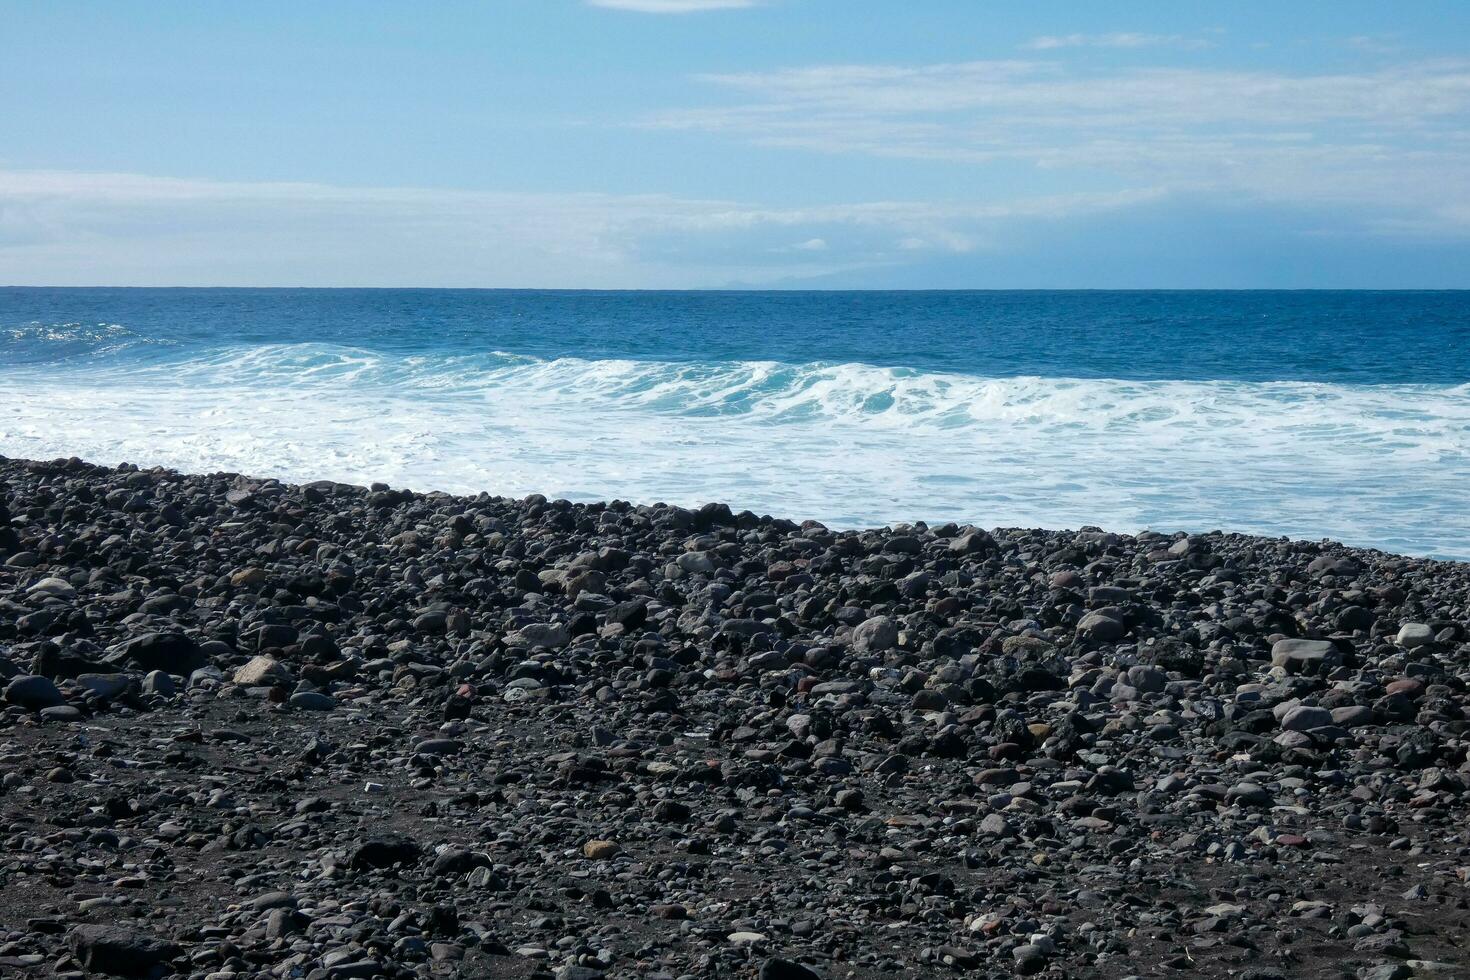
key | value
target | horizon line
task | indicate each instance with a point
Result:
(769, 289)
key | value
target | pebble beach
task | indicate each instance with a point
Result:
(253, 729)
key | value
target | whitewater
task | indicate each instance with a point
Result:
(847, 443)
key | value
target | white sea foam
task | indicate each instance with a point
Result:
(850, 444)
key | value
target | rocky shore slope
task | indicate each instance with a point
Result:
(258, 730)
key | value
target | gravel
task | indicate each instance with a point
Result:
(251, 729)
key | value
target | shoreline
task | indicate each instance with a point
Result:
(1247, 414)
(249, 725)
(746, 516)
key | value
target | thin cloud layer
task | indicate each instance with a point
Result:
(126, 229)
(1390, 138)
(1122, 39)
(1197, 155)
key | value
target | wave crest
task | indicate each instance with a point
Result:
(775, 391)
(847, 443)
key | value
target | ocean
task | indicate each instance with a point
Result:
(1342, 415)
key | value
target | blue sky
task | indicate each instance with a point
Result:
(706, 143)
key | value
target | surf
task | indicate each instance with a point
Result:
(851, 443)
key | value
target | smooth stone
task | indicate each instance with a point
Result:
(1250, 794)
(552, 636)
(778, 968)
(172, 652)
(1297, 656)
(1101, 627)
(1413, 635)
(1304, 718)
(312, 701)
(160, 683)
(120, 951)
(261, 671)
(108, 687)
(439, 746)
(875, 635)
(1352, 716)
(32, 692)
(57, 587)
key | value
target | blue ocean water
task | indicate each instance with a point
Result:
(1307, 414)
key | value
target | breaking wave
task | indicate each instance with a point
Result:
(848, 443)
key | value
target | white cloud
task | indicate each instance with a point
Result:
(1382, 44)
(1390, 138)
(1050, 42)
(63, 228)
(672, 6)
(1054, 97)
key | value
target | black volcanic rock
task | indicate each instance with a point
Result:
(121, 952)
(384, 852)
(328, 731)
(172, 653)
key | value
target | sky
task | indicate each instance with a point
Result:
(736, 143)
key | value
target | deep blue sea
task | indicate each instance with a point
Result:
(1307, 414)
